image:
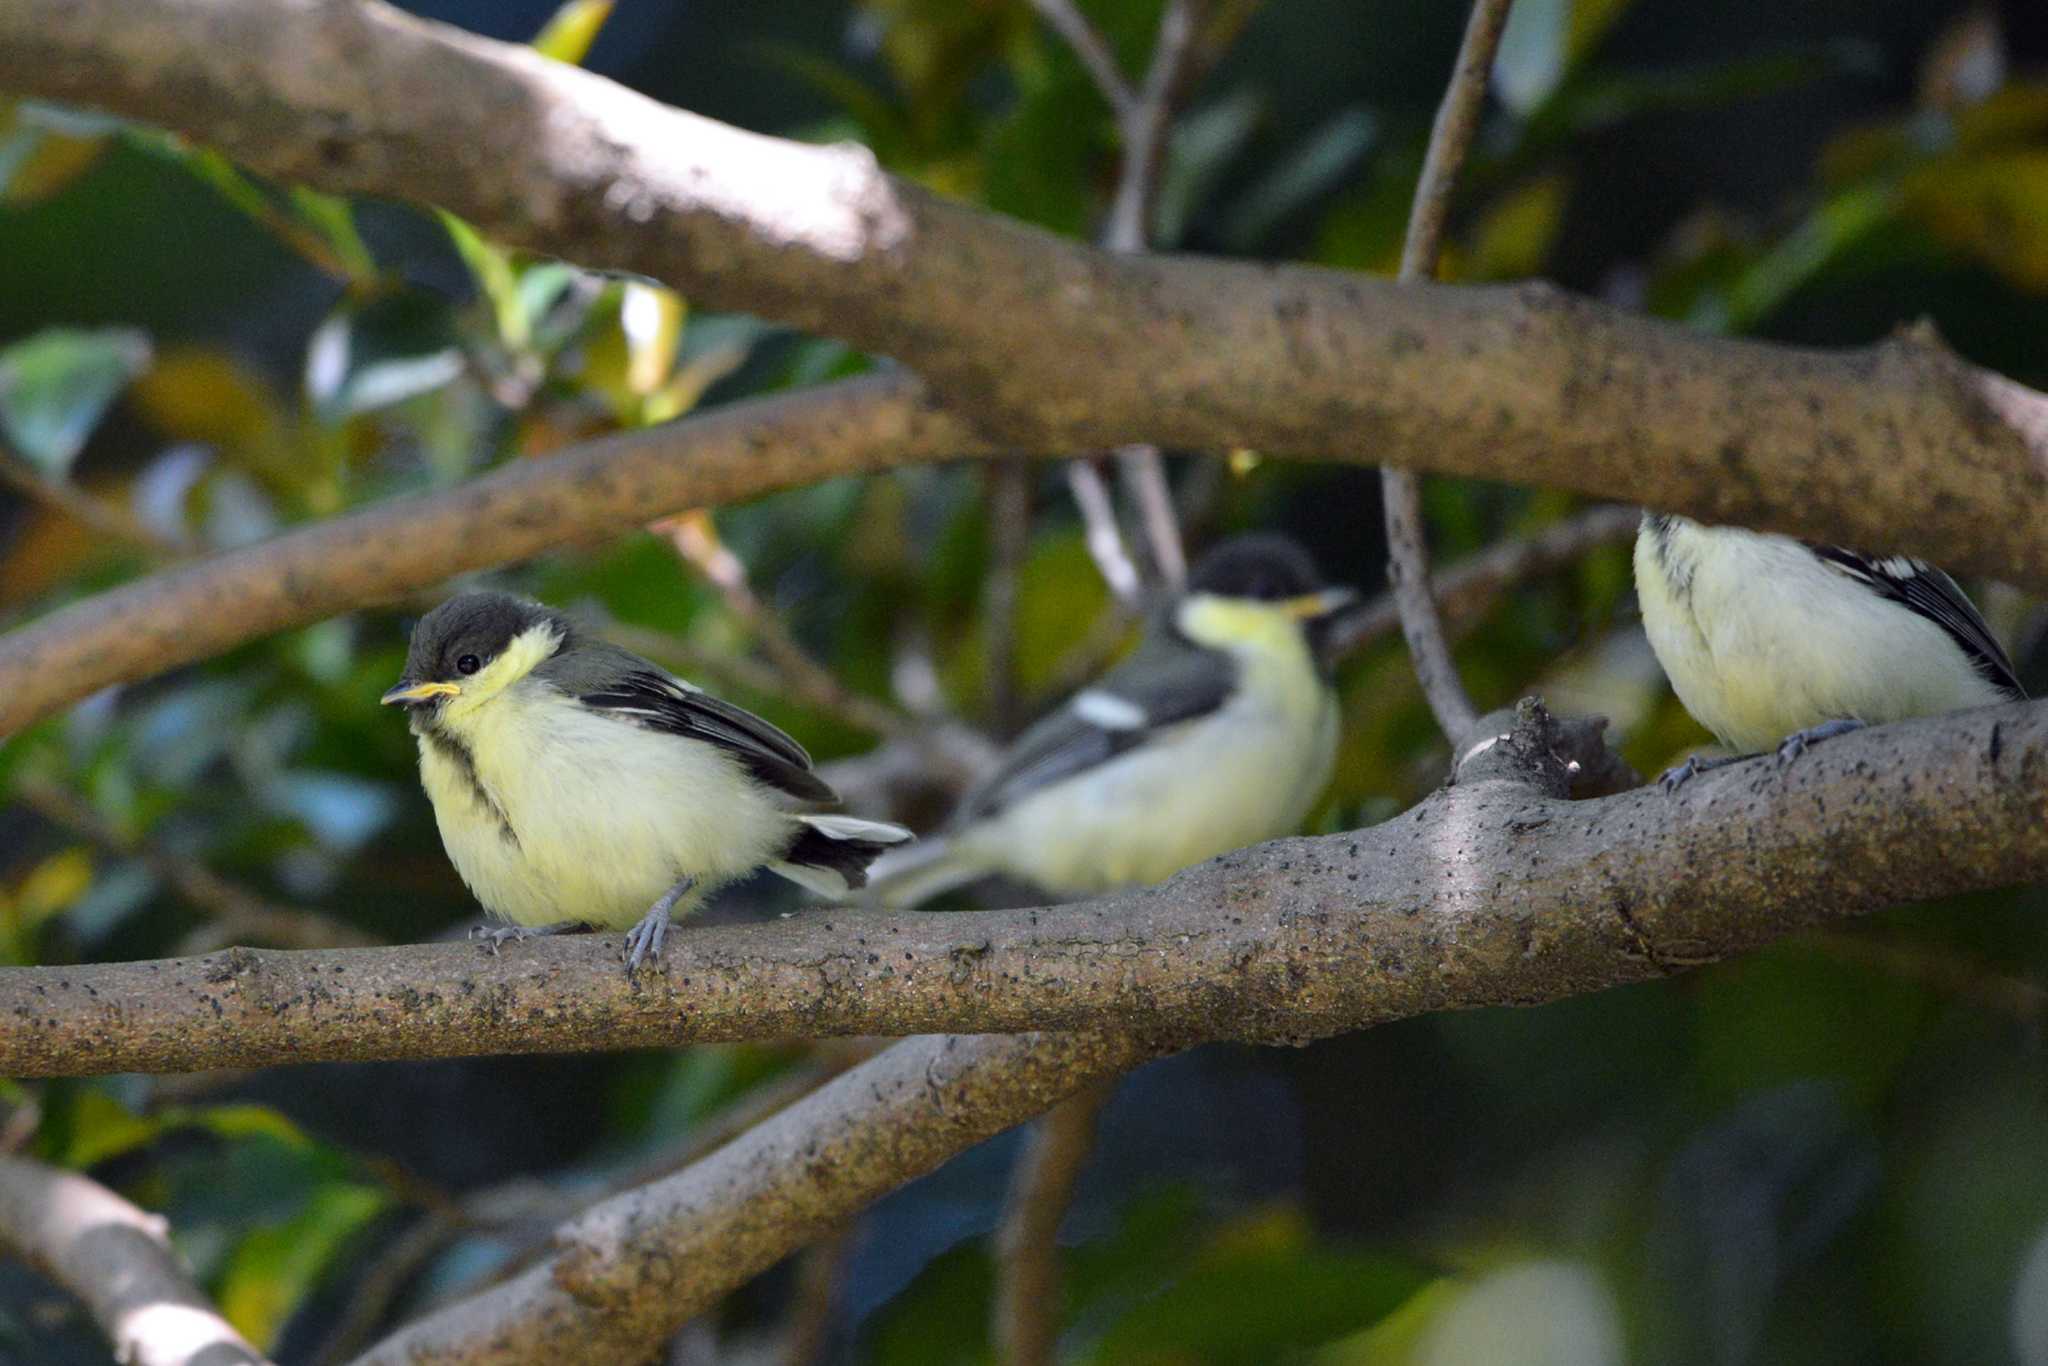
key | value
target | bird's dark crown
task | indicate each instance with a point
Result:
(474, 626)
(1265, 568)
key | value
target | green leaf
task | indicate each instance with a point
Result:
(379, 352)
(273, 1268)
(98, 1127)
(1305, 174)
(567, 37)
(1254, 1306)
(334, 219)
(491, 266)
(56, 385)
(44, 148)
(1202, 145)
(1994, 207)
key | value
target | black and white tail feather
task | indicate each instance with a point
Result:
(831, 854)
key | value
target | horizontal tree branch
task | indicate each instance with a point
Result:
(119, 1260)
(1489, 892)
(382, 552)
(629, 1271)
(1050, 344)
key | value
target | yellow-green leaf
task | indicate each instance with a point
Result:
(567, 37)
(492, 267)
(1993, 207)
(273, 1269)
(1514, 239)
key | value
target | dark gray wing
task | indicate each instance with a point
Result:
(1920, 587)
(622, 684)
(1167, 681)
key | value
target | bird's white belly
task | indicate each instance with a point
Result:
(1771, 641)
(601, 823)
(1224, 782)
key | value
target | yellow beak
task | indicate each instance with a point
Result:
(419, 692)
(1312, 605)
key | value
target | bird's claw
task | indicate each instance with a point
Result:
(645, 939)
(1796, 744)
(1678, 775)
(495, 937)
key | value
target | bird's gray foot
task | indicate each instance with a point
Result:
(1678, 775)
(645, 939)
(1794, 745)
(495, 937)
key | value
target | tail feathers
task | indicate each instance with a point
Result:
(903, 878)
(831, 854)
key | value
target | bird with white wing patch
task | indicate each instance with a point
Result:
(1218, 732)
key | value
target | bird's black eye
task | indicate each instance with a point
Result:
(468, 664)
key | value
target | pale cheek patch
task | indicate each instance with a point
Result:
(518, 659)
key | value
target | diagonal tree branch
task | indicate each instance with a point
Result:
(1052, 345)
(1488, 892)
(119, 1260)
(373, 556)
(1457, 120)
(628, 1272)
(1465, 591)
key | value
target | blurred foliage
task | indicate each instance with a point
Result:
(1801, 1157)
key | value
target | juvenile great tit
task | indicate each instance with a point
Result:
(1772, 641)
(577, 784)
(1218, 732)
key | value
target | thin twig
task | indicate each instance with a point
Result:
(1467, 590)
(108, 518)
(815, 1300)
(1105, 540)
(1144, 118)
(1027, 1310)
(1009, 515)
(1144, 127)
(1144, 475)
(1407, 552)
(1092, 48)
(695, 539)
(234, 912)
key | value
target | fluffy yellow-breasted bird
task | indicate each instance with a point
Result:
(1219, 731)
(1773, 641)
(577, 784)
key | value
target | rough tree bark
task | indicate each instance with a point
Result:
(1486, 893)
(1052, 345)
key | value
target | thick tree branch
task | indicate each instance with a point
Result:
(1052, 345)
(1457, 120)
(1488, 892)
(626, 1273)
(118, 1259)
